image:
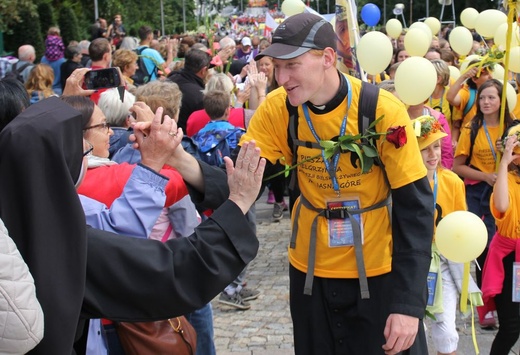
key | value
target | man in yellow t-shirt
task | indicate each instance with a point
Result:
(347, 299)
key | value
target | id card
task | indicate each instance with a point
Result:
(432, 284)
(340, 230)
(516, 282)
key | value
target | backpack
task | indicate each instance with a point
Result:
(16, 73)
(142, 76)
(367, 106)
(217, 140)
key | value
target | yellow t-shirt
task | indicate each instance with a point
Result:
(508, 223)
(442, 105)
(403, 165)
(516, 112)
(451, 195)
(458, 111)
(481, 157)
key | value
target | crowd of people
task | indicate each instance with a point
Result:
(103, 191)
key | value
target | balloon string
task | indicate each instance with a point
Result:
(473, 333)
(464, 291)
(510, 20)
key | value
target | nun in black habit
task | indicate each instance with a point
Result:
(83, 273)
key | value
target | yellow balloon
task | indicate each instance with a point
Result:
(514, 59)
(424, 27)
(415, 80)
(394, 28)
(434, 24)
(488, 21)
(461, 40)
(292, 7)
(501, 35)
(468, 16)
(416, 42)
(374, 52)
(461, 236)
(454, 72)
(498, 72)
(511, 97)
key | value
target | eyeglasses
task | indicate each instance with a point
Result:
(88, 152)
(104, 125)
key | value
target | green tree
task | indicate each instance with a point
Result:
(68, 24)
(25, 31)
(11, 12)
(47, 18)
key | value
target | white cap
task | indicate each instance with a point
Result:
(246, 41)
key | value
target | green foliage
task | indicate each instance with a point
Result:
(47, 18)
(11, 13)
(68, 24)
(26, 31)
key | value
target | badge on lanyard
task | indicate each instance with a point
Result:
(340, 229)
(432, 285)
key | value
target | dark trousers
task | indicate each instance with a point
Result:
(335, 320)
(477, 199)
(508, 313)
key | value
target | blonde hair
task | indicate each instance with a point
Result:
(40, 79)
(53, 31)
(164, 94)
(123, 57)
(442, 71)
(219, 81)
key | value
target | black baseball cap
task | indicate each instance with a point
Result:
(299, 34)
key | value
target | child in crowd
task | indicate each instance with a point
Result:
(54, 47)
(500, 280)
(445, 277)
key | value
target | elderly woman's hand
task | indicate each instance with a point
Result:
(142, 112)
(245, 178)
(157, 144)
(74, 84)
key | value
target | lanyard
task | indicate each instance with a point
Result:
(489, 141)
(331, 165)
(435, 184)
(440, 103)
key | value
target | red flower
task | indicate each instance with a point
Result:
(397, 136)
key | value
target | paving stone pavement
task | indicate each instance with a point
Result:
(266, 328)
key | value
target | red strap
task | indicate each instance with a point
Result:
(167, 233)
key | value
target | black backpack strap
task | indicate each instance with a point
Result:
(367, 106)
(292, 137)
(474, 127)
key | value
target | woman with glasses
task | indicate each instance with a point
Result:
(82, 273)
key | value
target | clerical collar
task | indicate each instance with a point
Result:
(336, 100)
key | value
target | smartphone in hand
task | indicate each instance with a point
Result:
(102, 78)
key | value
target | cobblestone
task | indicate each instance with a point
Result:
(266, 328)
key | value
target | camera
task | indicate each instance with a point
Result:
(102, 78)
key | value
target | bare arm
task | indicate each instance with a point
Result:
(461, 169)
(452, 95)
(501, 189)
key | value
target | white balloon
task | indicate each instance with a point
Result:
(461, 40)
(468, 16)
(423, 27)
(501, 35)
(417, 42)
(510, 95)
(454, 72)
(292, 7)
(487, 22)
(434, 24)
(374, 52)
(415, 80)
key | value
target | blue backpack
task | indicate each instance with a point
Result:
(217, 140)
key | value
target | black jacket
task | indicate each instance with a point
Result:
(191, 86)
